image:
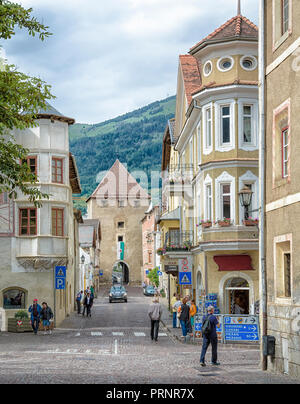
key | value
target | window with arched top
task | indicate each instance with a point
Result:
(14, 298)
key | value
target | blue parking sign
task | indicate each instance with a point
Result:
(60, 283)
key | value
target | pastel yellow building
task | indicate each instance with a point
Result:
(216, 156)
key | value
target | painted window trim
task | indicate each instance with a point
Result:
(218, 143)
(279, 240)
(208, 62)
(208, 182)
(223, 179)
(254, 60)
(283, 131)
(254, 144)
(207, 149)
(35, 157)
(286, 105)
(279, 39)
(221, 60)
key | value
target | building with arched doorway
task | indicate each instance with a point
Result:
(120, 203)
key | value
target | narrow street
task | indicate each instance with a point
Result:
(114, 347)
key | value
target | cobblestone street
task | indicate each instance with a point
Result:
(114, 347)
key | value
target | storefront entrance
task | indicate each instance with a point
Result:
(237, 296)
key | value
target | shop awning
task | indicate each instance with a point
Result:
(234, 262)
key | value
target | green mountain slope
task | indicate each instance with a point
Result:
(134, 138)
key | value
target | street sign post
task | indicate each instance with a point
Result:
(185, 271)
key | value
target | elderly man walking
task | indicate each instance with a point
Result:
(209, 333)
(155, 312)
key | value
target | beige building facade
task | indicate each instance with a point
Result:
(119, 202)
(34, 241)
(282, 105)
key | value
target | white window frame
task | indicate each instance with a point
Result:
(249, 178)
(278, 37)
(207, 149)
(225, 179)
(199, 134)
(208, 183)
(254, 124)
(224, 147)
(285, 147)
(219, 64)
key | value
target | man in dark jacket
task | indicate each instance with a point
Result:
(46, 317)
(210, 337)
(88, 303)
(35, 310)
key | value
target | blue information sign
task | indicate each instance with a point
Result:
(185, 278)
(241, 329)
(60, 277)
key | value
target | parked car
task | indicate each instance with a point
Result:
(149, 291)
(117, 293)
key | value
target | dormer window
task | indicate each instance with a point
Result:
(207, 69)
(249, 63)
(225, 64)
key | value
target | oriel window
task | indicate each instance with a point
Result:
(247, 123)
(226, 201)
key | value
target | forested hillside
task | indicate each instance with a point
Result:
(134, 138)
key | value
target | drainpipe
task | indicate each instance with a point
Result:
(262, 171)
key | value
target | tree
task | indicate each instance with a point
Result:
(153, 276)
(21, 98)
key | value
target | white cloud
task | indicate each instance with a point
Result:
(109, 57)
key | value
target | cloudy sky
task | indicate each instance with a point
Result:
(109, 57)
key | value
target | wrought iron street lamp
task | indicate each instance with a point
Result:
(245, 195)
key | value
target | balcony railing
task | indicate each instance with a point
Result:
(178, 174)
(179, 241)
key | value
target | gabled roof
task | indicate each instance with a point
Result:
(191, 75)
(118, 183)
(169, 140)
(237, 28)
(74, 175)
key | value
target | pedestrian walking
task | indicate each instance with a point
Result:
(173, 301)
(193, 312)
(88, 303)
(35, 310)
(92, 291)
(83, 299)
(155, 312)
(209, 334)
(184, 314)
(176, 307)
(78, 301)
(46, 317)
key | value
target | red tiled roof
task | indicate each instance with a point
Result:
(119, 183)
(191, 75)
(236, 27)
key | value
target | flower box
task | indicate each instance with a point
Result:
(250, 222)
(16, 325)
(224, 223)
(206, 225)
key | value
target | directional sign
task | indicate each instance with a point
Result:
(244, 328)
(159, 273)
(185, 278)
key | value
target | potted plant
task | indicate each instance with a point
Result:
(224, 223)
(160, 251)
(250, 222)
(205, 224)
(20, 323)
